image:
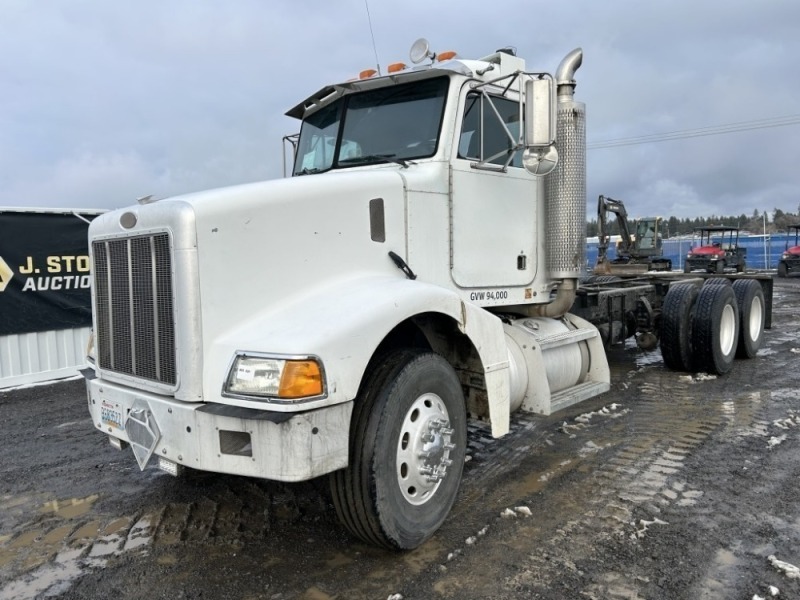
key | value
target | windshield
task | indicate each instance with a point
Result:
(391, 124)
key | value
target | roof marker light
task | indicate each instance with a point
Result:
(367, 73)
(442, 56)
(395, 67)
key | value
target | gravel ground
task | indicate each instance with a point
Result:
(667, 487)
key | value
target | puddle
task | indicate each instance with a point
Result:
(49, 580)
(69, 509)
(60, 546)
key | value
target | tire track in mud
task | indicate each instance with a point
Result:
(45, 554)
(635, 453)
(638, 482)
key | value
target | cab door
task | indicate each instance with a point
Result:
(493, 198)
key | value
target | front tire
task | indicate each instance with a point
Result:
(408, 441)
(782, 270)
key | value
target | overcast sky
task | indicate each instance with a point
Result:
(104, 101)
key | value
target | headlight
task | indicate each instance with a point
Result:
(785, 255)
(280, 378)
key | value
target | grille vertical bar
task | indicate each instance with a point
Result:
(135, 308)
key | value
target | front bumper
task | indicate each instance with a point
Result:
(701, 263)
(222, 439)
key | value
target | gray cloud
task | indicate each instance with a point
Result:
(103, 102)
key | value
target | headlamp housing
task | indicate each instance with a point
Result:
(275, 378)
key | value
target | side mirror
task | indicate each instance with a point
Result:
(540, 113)
(540, 156)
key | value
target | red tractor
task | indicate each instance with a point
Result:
(717, 252)
(790, 259)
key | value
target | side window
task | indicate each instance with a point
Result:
(490, 130)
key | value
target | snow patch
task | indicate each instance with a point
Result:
(508, 514)
(774, 441)
(454, 554)
(643, 526)
(793, 420)
(395, 597)
(795, 350)
(789, 570)
(612, 411)
(523, 510)
(589, 448)
(697, 377)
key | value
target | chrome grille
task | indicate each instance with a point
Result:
(134, 307)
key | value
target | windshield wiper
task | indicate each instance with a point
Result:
(377, 158)
(307, 171)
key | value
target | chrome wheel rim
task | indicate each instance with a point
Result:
(423, 450)
(727, 329)
(756, 314)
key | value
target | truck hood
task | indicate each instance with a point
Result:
(263, 245)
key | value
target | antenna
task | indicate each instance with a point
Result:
(374, 47)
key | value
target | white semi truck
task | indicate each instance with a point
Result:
(418, 269)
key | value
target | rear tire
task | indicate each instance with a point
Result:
(717, 281)
(407, 447)
(715, 329)
(676, 323)
(750, 298)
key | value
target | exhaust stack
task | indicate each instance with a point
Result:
(565, 187)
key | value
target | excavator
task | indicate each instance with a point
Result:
(636, 252)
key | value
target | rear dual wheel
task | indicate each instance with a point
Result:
(715, 329)
(676, 323)
(408, 441)
(700, 327)
(752, 316)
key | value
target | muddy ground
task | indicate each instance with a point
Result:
(667, 487)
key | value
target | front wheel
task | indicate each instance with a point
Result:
(783, 271)
(408, 441)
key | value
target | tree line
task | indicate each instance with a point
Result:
(776, 222)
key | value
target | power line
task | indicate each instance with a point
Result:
(699, 132)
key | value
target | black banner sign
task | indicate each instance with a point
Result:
(44, 272)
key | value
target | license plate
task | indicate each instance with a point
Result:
(111, 414)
